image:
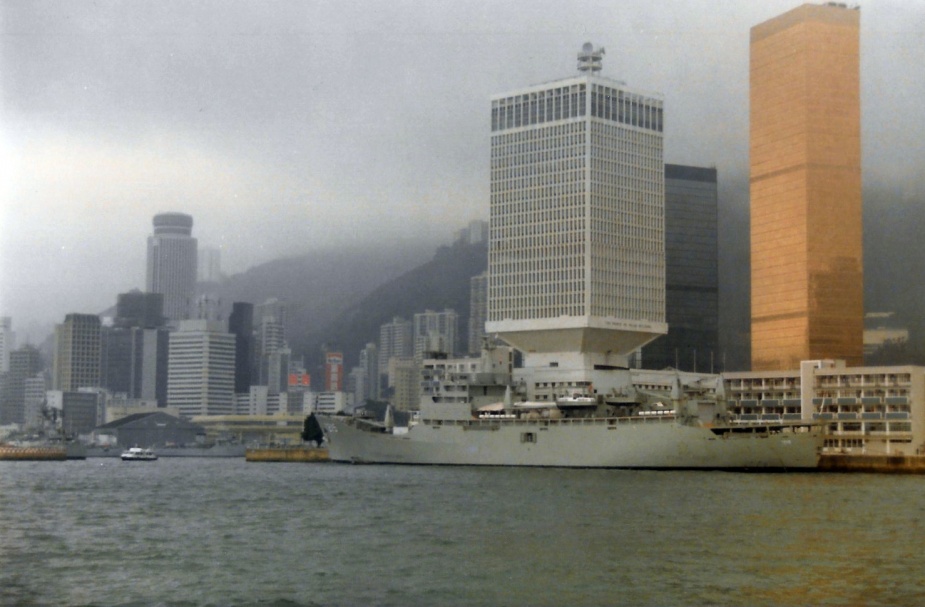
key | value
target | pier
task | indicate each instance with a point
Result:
(286, 454)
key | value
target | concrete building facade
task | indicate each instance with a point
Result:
(805, 157)
(78, 353)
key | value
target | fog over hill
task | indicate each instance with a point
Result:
(339, 298)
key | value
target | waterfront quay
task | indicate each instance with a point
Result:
(286, 454)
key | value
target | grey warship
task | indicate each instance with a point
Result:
(686, 428)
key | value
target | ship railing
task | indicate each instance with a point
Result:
(495, 420)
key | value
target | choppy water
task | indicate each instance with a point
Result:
(199, 532)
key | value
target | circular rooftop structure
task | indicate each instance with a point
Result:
(173, 223)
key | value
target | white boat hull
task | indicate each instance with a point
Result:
(660, 443)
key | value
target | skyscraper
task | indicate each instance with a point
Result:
(241, 325)
(172, 263)
(806, 248)
(691, 274)
(576, 246)
(78, 353)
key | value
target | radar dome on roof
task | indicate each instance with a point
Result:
(590, 58)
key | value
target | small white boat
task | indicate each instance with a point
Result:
(137, 454)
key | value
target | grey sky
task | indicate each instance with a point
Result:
(284, 127)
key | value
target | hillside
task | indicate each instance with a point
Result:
(442, 282)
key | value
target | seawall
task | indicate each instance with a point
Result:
(881, 464)
(27, 454)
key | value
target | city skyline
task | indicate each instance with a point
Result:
(134, 110)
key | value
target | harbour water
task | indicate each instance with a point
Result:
(217, 532)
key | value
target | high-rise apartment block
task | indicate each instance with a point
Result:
(478, 312)
(200, 373)
(435, 332)
(7, 342)
(691, 273)
(78, 353)
(396, 340)
(270, 326)
(369, 363)
(171, 266)
(806, 241)
(576, 249)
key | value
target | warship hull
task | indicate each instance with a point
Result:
(645, 443)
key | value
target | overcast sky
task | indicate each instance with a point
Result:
(284, 127)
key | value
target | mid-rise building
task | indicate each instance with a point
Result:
(200, 372)
(807, 299)
(25, 363)
(78, 353)
(866, 410)
(34, 391)
(404, 383)
(576, 258)
(171, 265)
(691, 273)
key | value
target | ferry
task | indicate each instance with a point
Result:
(137, 454)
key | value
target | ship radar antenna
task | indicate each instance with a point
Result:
(590, 58)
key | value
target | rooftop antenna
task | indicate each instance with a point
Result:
(589, 59)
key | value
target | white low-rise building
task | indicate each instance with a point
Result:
(867, 410)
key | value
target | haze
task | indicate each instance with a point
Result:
(288, 127)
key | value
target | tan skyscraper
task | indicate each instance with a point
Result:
(806, 249)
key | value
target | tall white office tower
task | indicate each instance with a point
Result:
(172, 263)
(200, 369)
(576, 249)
